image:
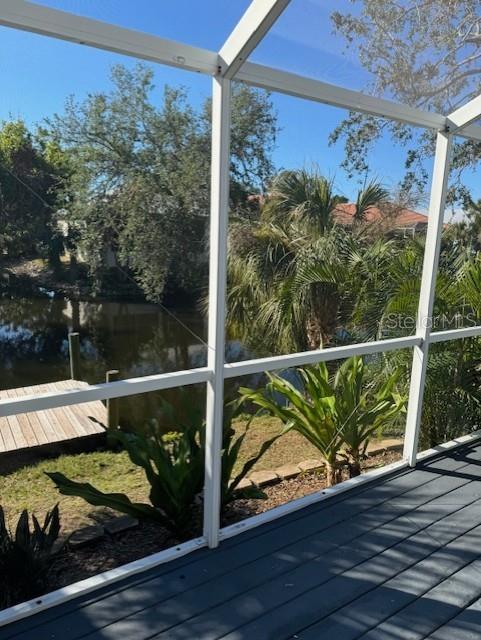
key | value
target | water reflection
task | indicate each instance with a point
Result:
(138, 339)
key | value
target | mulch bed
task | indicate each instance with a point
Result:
(298, 487)
(116, 550)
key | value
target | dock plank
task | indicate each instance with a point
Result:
(49, 426)
(16, 430)
(8, 441)
(45, 433)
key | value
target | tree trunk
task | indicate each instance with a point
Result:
(354, 468)
(354, 463)
(330, 475)
(313, 333)
(333, 473)
(321, 323)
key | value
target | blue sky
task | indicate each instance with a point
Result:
(38, 73)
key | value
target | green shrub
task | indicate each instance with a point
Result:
(26, 556)
(310, 412)
(337, 415)
(174, 467)
(363, 409)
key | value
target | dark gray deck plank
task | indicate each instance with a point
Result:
(261, 611)
(106, 613)
(438, 605)
(365, 521)
(342, 549)
(465, 626)
(275, 613)
(409, 601)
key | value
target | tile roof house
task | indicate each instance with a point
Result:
(394, 217)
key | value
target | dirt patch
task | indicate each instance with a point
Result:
(110, 552)
(298, 487)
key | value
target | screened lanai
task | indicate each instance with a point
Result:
(392, 552)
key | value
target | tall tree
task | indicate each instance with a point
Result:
(29, 179)
(424, 53)
(142, 174)
(467, 231)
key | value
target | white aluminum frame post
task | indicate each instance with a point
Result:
(426, 296)
(256, 21)
(219, 218)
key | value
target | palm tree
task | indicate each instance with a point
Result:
(452, 399)
(289, 274)
(303, 198)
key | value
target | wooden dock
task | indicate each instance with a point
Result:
(39, 428)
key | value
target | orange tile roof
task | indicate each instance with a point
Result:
(344, 214)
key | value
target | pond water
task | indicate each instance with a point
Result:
(138, 339)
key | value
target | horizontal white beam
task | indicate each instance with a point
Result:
(302, 87)
(471, 132)
(455, 334)
(67, 26)
(20, 14)
(465, 115)
(447, 446)
(317, 91)
(158, 382)
(120, 389)
(249, 31)
(235, 369)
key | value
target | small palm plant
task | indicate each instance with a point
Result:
(337, 415)
(311, 412)
(26, 555)
(363, 410)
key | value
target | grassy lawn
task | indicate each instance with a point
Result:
(29, 487)
(291, 448)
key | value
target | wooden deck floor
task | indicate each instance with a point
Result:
(54, 425)
(397, 559)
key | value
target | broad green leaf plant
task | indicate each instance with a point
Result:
(174, 468)
(362, 409)
(338, 415)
